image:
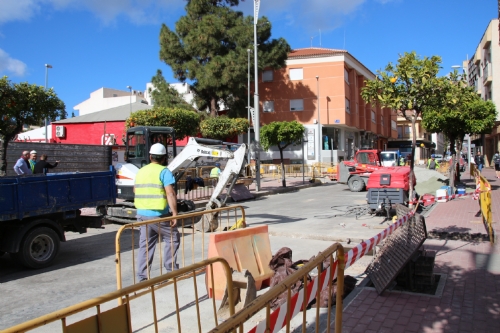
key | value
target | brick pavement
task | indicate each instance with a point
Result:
(470, 300)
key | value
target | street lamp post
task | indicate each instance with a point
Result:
(248, 105)
(47, 66)
(319, 124)
(256, 4)
(130, 88)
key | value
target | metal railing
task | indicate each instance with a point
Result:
(165, 314)
(225, 217)
(295, 303)
(294, 170)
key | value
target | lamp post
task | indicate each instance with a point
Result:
(47, 66)
(130, 88)
(256, 126)
(248, 104)
(319, 124)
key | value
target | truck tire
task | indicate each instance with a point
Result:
(356, 184)
(39, 248)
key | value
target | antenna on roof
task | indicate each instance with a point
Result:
(319, 37)
(312, 41)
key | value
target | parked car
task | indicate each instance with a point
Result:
(438, 158)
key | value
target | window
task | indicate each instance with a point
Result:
(346, 75)
(296, 74)
(373, 117)
(267, 76)
(268, 106)
(347, 106)
(296, 105)
(393, 124)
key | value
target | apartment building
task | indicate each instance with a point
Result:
(320, 88)
(483, 73)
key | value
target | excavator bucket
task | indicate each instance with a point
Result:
(208, 222)
(244, 292)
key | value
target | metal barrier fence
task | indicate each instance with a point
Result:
(299, 302)
(484, 189)
(295, 170)
(225, 217)
(166, 310)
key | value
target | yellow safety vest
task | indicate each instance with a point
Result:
(214, 173)
(149, 190)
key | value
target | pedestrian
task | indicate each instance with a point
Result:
(402, 160)
(496, 161)
(432, 164)
(155, 198)
(42, 166)
(408, 159)
(22, 165)
(32, 160)
(479, 160)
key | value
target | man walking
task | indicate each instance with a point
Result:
(21, 166)
(432, 164)
(155, 198)
(496, 162)
(479, 160)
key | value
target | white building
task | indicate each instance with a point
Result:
(106, 98)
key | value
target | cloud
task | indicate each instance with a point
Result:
(137, 11)
(311, 14)
(11, 65)
(18, 10)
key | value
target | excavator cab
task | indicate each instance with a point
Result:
(140, 139)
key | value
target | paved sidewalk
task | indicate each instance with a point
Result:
(470, 301)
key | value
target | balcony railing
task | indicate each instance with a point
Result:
(487, 74)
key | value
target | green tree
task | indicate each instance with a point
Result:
(281, 134)
(185, 123)
(223, 127)
(24, 104)
(209, 48)
(408, 87)
(462, 112)
(166, 96)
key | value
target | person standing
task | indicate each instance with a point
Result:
(22, 165)
(479, 160)
(432, 164)
(32, 160)
(42, 166)
(215, 172)
(402, 161)
(496, 161)
(155, 198)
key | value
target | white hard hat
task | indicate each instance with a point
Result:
(33, 152)
(158, 149)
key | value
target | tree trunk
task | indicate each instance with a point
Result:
(283, 180)
(412, 160)
(452, 162)
(213, 107)
(3, 157)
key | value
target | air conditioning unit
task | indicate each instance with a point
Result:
(60, 131)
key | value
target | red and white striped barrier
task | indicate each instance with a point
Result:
(279, 316)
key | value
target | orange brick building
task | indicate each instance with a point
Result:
(330, 81)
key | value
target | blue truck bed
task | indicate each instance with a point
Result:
(22, 197)
(37, 210)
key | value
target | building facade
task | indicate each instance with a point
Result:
(483, 73)
(321, 88)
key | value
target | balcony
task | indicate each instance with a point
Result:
(487, 74)
(478, 87)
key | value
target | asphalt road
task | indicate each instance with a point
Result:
(307, 221)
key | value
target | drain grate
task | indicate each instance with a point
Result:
(397, 250)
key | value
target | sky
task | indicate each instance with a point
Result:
(115, 43)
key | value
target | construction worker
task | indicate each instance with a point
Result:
(402, 160)
(154, 198)
(215, 172)
(432, 164)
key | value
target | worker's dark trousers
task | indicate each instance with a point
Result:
(148, 240)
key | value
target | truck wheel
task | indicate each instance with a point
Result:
(356, 184)
(38, 248)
